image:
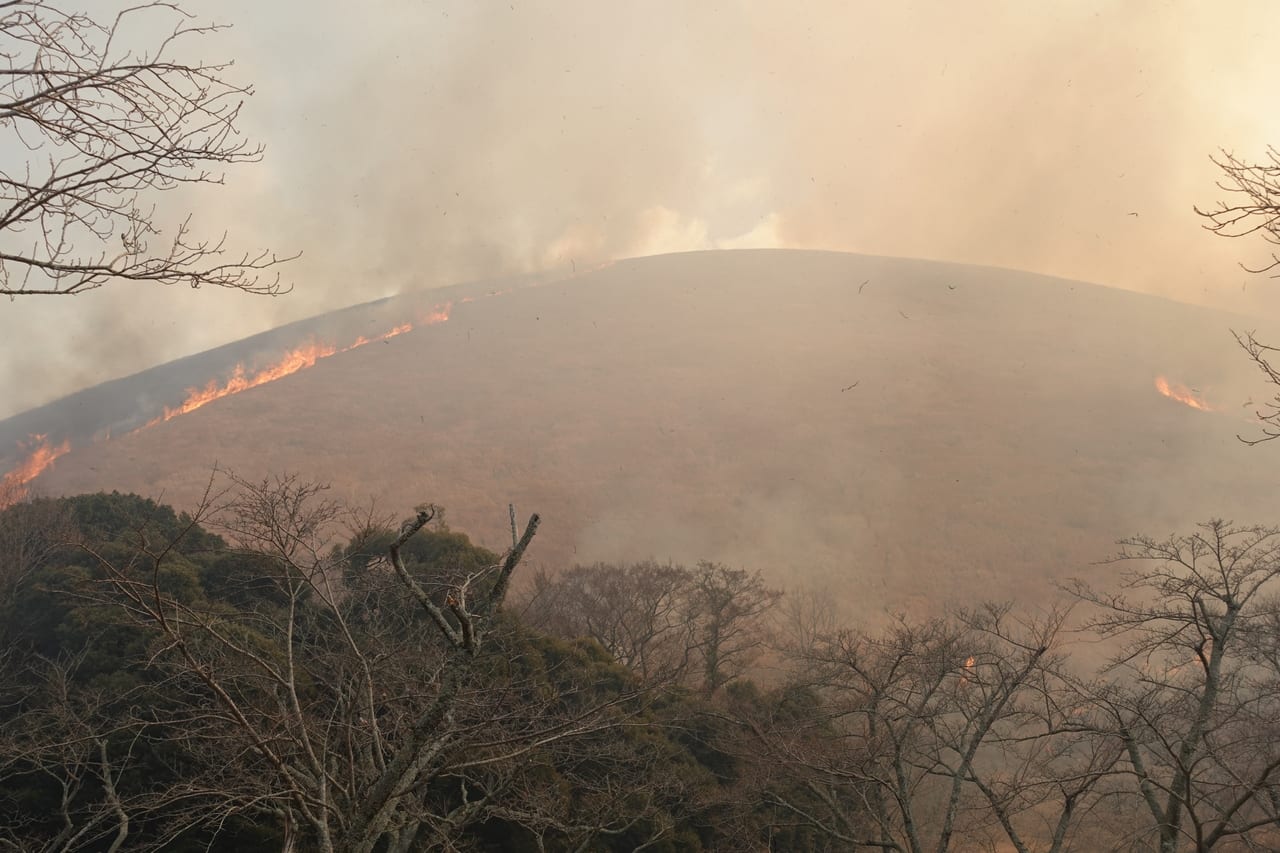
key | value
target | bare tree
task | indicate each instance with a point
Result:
(1193, 696)
(107, 114)
(387, 710)
(1050, 781)
(621, 789)
(728, 607)
(1255, 206)
(1253, 209)
(910, 747)
(660, 620)
(637, 612)
(31, 531)
(78, 764)
(1267, 413)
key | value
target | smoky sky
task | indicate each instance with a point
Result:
(419, 144)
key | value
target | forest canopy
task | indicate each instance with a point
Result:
(277, 672)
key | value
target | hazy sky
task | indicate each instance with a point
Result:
(434, 142)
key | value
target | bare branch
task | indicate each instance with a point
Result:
(106, 126)
(1255, 208)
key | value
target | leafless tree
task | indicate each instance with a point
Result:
(638, 612)
(1267, 413)
(386, 711)
(108, 114)
(1193, 697)
(804, 620)
(661, 620)
(1253, 209)
(728, 607)
(619, 786)
(31, 531)
(85, 750)
(1255, 206)
(1050, 780)
(910, 748)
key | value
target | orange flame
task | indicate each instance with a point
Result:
(439, 314)
(291, 362)
(967, 672)
(13, 484)
(1181, 393)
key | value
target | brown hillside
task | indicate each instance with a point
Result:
(894, 431)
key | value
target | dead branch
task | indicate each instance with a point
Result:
(107, 122)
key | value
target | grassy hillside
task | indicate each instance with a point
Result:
(898, 432)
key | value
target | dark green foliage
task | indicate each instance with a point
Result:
(78, 680)
(58, 610)
(446, 553)
(111, 517)
(242, 579)
(652, 768)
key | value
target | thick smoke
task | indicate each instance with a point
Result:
(427, 143)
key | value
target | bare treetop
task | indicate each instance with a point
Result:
(104, 122)
(1255, 207)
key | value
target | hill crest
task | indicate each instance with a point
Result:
(890, 429)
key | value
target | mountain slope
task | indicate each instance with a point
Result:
(895, 431)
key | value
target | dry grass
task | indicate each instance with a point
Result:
(1003, 430)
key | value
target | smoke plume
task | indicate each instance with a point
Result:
(427, 143)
